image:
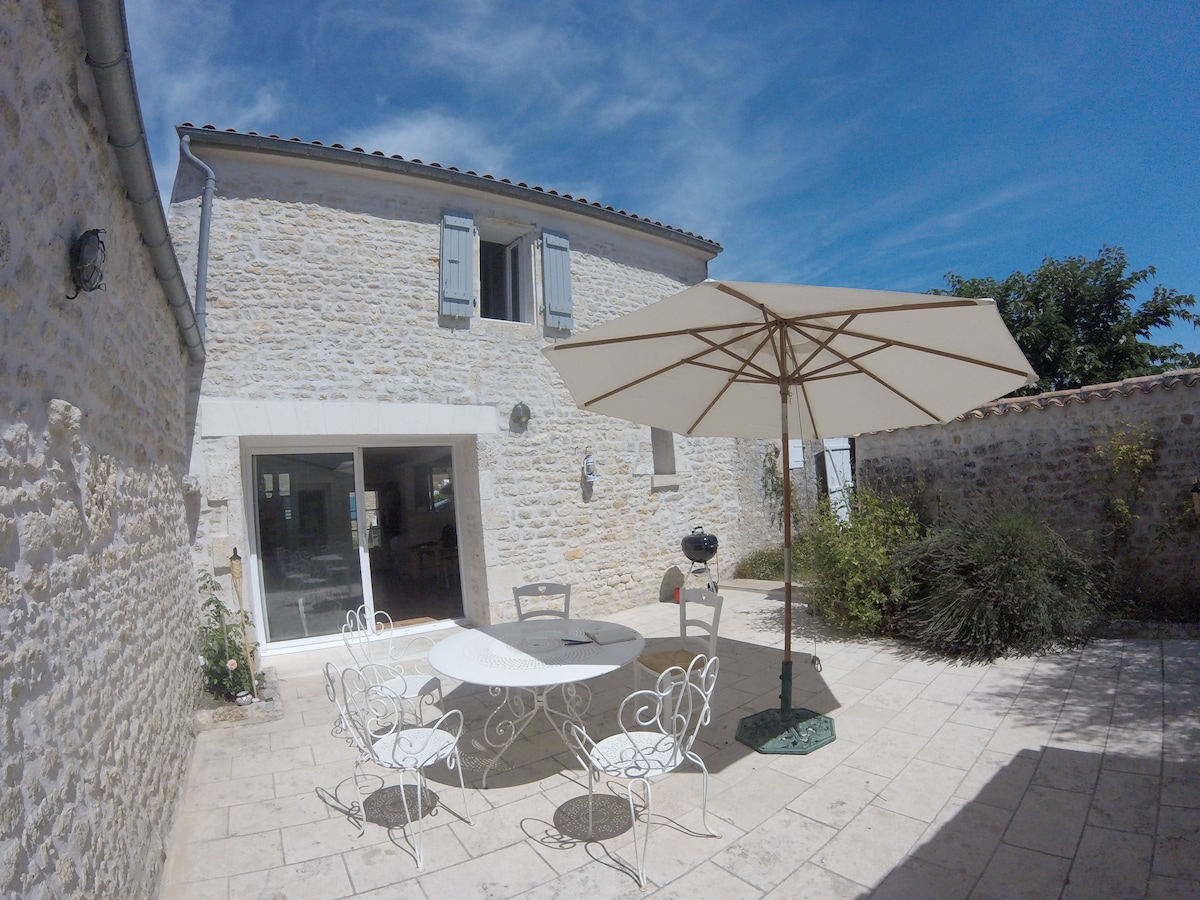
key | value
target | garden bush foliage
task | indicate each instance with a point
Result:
(848, 564)
(222, 652)
(766, 565)
(995, 581)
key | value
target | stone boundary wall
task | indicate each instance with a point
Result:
(97, 595)
(1045, 449)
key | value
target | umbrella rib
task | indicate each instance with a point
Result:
(769, 329)
(853, 361)
(697, 332)
(947, 302)
(694, 359)
(800, 322)
(950, 303)
(884, 343)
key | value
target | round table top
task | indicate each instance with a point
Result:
(532, 653)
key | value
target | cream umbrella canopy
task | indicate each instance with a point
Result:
(758, 360)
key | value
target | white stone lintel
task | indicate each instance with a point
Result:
(221, 417)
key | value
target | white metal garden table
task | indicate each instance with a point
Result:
(536, 664)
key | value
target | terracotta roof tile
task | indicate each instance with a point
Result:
(1144, 385)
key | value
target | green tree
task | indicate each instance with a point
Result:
(1079, 322)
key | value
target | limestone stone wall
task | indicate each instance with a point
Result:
(1048, 449)
(97, 597)
(323, 285)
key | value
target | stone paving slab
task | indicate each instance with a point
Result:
(1069, 775)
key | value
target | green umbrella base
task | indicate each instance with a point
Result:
(794, 731)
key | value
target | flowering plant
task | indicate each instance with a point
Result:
(221, 649)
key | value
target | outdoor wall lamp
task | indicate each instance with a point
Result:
(589, 466)
(520, 415)
(87, 261)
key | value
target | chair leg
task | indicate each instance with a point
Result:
(704, 795)
(456, 761)
(639, 850)
(592, 778)
(415, 829)
(420, 841)
(362, 811)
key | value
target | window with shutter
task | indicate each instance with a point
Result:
(556, 281)
(458, 270)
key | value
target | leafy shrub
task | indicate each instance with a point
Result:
(848, 563)
(223, 657)
(992, 581)
(765, 565)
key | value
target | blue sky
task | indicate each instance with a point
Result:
(859, 144)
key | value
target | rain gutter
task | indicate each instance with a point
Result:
(106, 39)
(210, 182)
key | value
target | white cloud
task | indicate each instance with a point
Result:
(435, 137)
(175, 50)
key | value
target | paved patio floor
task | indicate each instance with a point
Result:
(1071, 775)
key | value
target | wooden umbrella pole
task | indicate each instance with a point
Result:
(235, 571)
(785, 693)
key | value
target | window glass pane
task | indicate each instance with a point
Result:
(492, 281)
(308, 551)
(514, 282)
(500, 281)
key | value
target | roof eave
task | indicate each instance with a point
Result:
(378, 161)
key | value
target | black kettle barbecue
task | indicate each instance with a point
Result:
(700, 547)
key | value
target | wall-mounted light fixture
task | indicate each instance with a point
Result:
(520, 415)
(589, 466)
(87, 262)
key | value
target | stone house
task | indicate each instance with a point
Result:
(375, 420)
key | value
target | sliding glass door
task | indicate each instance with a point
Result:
(316, 527)
(308, 542)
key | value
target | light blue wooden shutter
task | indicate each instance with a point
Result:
(556, 281)
(458, 272)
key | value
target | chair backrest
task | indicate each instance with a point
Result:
(360, 634)
(675, 710)
(363, 716)
(374, 640)
(686, 700)
(540, 591)
(382, 725)
(699, 619)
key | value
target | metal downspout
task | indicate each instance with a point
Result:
(210, 181)
(106, 39)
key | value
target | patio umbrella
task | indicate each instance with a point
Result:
(756, 360)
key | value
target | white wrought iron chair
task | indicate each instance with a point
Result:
(658, 729)
(542, 591)
(696, 635)
(402, 666)
(382, 727)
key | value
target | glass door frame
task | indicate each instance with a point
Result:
(250, 449)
